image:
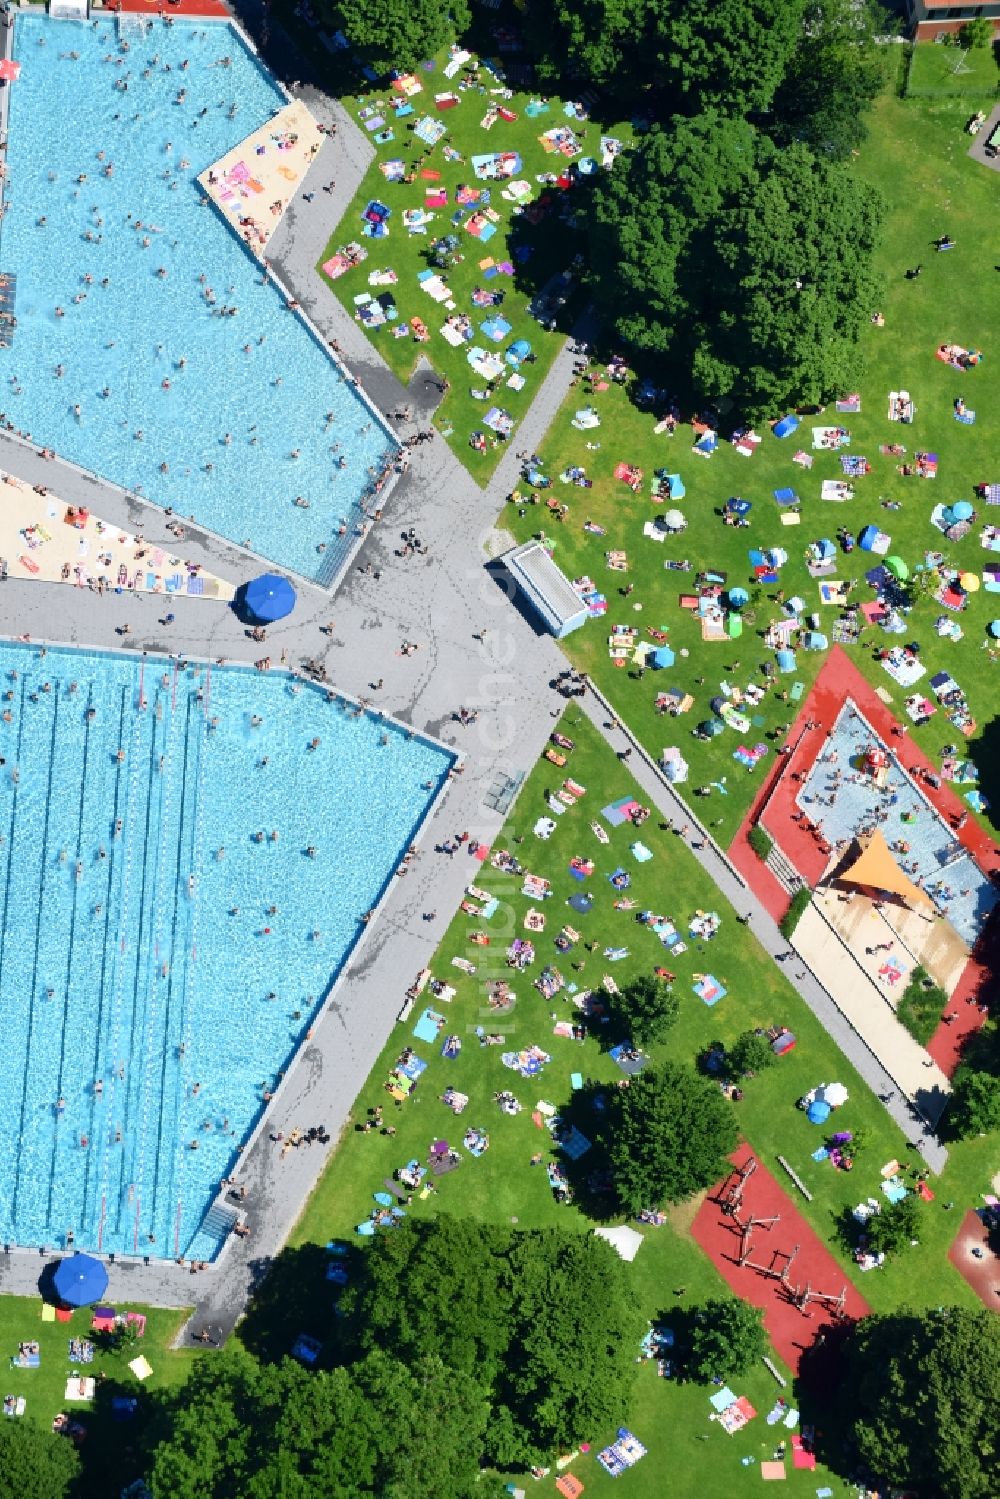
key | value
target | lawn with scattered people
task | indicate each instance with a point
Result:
(916, 156)
(502, 1185)
(109, 1435)
(475, 216)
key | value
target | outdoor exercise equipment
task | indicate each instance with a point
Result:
(802, 1296)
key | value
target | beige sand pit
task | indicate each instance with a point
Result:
(254, 183)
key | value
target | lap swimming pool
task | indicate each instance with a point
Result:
(182, 877)
(139, 376)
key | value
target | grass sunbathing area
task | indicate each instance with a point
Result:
(802, 511)
(465, 216)
(105, 1433)
(500, 1183)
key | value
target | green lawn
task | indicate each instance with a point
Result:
(552, 242)
(917, 158)
(106, 1451)
(938, 70)
(502, 1186)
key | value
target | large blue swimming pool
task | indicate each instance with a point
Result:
(258, 377)
(167, 938)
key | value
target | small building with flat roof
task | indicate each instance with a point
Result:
(546, 588)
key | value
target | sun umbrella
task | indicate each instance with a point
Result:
(818, 1111)
(10, 70)
(738, 598)
(898, 568)
(674, 520)
(970, 582)
(80, 1280)
(962, 510)
(663, 656)
(995, 629)
(270, 597)
(711, 727)
(834, 1094)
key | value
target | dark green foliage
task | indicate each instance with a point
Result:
(977, 34)
(921, 1006)
(667, 1136)
(750, 265)
(690, 54)
(33, 1461)
(644, 1010)
(239, 1428)
(892, 1229)
(401, 33)
(834, 73)
(798, 904)
(543, 1320)
(760, 841)
(921, 1393)
(750, 1052)
(974, 1106)
(727, 1337)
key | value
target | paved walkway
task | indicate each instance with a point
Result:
(765, 929)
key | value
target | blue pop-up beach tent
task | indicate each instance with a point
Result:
(786, 426)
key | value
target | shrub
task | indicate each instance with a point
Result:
(760, 841)
(921, 1005)
(796, 907)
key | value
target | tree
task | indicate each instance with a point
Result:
(977, 34)
(401, 33)
(645, 1009)
(751, 266)
(834, 73)
(894, 1227)
(922, 1390)
(543, 1321)
(34, 1461)
(974, 1106)
(725, 54)
(689, 54)
(727, 1338)
(239, 1427)
(667, 1135)
(750, 1052)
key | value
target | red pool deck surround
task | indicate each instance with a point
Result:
(774, 806)
(792, 1332)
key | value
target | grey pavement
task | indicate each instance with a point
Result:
(741, 897)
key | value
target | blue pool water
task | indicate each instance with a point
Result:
(134, 903)
(130, 336)
(935, 860)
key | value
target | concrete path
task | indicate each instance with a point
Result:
(731, 885)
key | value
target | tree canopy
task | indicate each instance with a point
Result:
(542, 1319)
(750, 1052)
(895, 1226)
(924, 1388)
(974, 1105)
(401, 33)
(687, 53)
(727, 1338)
(667, 1135)
(644, 1009)
(34, 1461)
(242, 1428)
(750, 265)
(834, 72)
